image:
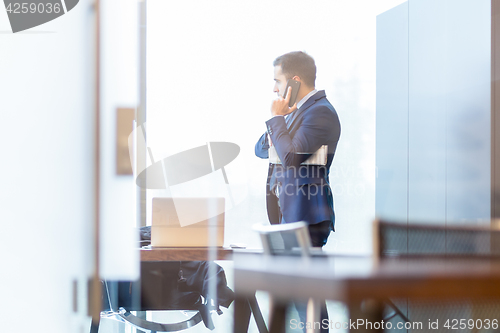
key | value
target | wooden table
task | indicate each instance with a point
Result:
(354, 279)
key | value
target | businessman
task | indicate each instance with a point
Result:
(294, 191)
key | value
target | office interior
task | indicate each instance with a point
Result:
(100, 94)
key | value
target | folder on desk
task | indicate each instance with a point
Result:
(318, 158)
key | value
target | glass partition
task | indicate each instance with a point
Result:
(209, 80)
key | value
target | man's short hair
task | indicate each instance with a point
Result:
(297, 63)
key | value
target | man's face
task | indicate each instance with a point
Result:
(279, 81)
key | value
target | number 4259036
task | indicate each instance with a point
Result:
(31, 7)
(461, 324)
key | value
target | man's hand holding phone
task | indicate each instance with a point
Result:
(279, 106)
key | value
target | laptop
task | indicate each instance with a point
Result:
(187, 222)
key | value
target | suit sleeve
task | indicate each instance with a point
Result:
(262, 147)
(315, 130)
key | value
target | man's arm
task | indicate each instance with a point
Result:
(262, 147)
(317, 129)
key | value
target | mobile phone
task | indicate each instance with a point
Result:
(295, 90)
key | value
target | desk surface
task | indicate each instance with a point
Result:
(185, 254)
(355, 278)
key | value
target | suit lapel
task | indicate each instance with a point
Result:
(296, 114)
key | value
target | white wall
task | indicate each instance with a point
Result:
(46, 193)
(46, 198)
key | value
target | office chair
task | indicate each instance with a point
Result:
(427, 242)
(289, 239)
(424, 240)
(273, 243)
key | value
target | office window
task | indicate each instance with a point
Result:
(210, 78)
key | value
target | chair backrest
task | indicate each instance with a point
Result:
(419, 240)
(425, 242)
(288, 239)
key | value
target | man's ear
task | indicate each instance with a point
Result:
(296, 78)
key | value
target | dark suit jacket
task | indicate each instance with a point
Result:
(305, 193)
